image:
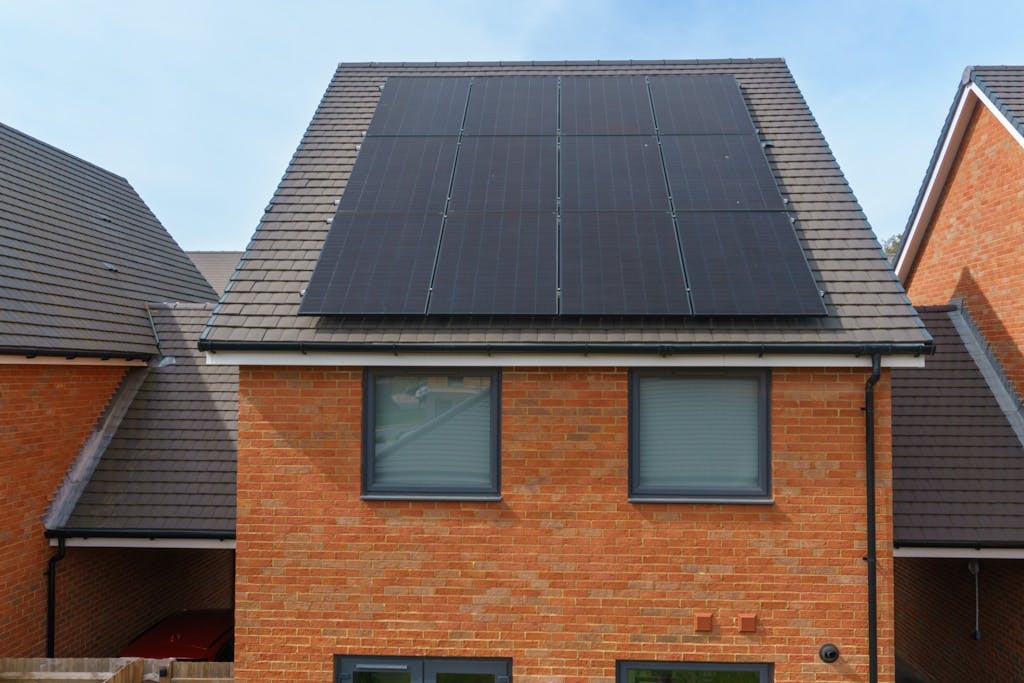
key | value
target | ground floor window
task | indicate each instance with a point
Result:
(366, 669)
(686, 672)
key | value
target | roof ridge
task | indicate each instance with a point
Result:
(570, 62)
(989, 366)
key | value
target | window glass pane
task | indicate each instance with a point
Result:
(670, 676)
(382, 677)
(464, 678)
(432, 431)
(698, 432)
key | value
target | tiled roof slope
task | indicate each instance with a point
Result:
(866, 304)
(80, 254)
(216, 266)
(958, 463)
(1004, 85)
(171, 464)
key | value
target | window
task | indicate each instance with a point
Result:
(661, 672)
(431, 434)
(699, 436)
(349, 669)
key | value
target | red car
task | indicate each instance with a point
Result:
(206, 635)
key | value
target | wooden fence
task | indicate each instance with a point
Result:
(114, 670)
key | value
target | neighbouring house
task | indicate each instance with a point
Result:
(216, 266)
(564, 371)
(958, 424)
(113, 428)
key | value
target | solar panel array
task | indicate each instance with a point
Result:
(578, 195)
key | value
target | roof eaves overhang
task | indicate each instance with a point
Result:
(563, 354)
(142, 538)
(968, 97)
(967, 550)
(16, 355)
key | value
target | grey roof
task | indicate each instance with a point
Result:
(171, 463)
(80, 254)
(216, 266)
(866, 303)
(958, 459)
(1004, 86)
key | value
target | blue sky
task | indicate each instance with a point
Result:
(200, 104)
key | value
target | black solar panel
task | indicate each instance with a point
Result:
(699, 104)
(719, 173)
(606, 105)
(506, 174)
(746, 263)
(518, 105)
(401, 175)
(501, 264)
(621, 264)
(420, 106)
(374, 263)
(614, 173)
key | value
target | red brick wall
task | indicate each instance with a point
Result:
(563, 575)
(46, 412)
(974, 247)
(107, 596)
(935, 618)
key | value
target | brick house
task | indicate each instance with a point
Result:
(958, 424)
(96, 364)
(497, 486)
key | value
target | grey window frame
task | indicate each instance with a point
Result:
(372, 491)
(623, 667)
(421, 669)
(761, 495)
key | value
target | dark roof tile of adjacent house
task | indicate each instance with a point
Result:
(80, 254)
(958, 458)
(216, 266)
(170, 464)
(866, 305)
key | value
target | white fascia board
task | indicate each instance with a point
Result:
(60, 360)
(181, 543)
(970, 98)
(964, 553)
(511, 360)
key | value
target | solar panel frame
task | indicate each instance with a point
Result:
(374, 264)
(747, 264)
(621, 263)
(498, 263)
(512, 105)
(518, 174)
(605, 105)
(612, 173)
(401, 175)
(719, 173)
(420, 106)
(693, 105)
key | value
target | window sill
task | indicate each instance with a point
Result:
(457, 497)
(701, 500)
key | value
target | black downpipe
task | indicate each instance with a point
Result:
(51, 597)
(869, 480)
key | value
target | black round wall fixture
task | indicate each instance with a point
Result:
(829, 653)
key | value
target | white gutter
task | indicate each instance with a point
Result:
(507, 360)
(961, 553)
(185, 543)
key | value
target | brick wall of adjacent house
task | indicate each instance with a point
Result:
(973, 247)
(107, 596)
(563, 575)
(940, 593)
(46, 412)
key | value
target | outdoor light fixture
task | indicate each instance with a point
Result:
(829, 653)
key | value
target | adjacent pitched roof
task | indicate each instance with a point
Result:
(866, 305)
(80, 254)
(1001, 89)
(216, 266)
(958, 458)
(170, 466)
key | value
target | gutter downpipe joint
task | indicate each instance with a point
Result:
(869, 481)
(51, 596)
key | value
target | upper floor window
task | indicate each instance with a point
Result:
(699, 435)
(431, 434)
